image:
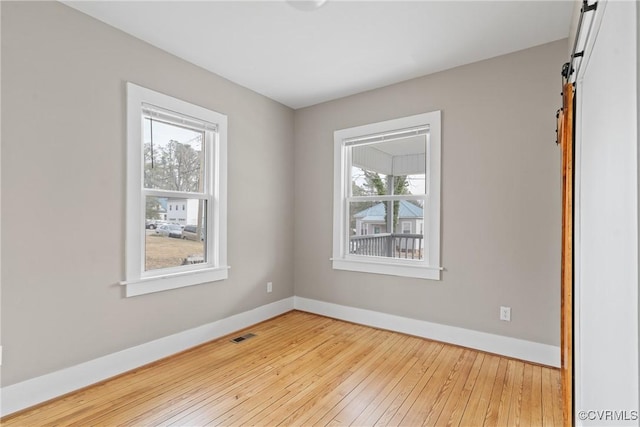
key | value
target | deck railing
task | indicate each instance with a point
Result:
(393, 245)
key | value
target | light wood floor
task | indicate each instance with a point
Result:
(303, 369)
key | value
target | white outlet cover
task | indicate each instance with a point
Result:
(505, 313)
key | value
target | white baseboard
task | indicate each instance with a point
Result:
(543, 354)
(40, 389)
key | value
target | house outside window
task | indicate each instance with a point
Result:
(176, 155)
(387, 177)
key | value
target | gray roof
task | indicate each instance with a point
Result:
(377, 211)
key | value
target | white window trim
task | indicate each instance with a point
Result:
(138, 281)
(429, 268)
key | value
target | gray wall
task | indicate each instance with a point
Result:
(500, 197)
(63, 191)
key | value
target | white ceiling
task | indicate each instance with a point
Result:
(301, 58)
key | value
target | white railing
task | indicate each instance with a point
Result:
(392, 245)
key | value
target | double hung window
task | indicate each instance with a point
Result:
(387, 179)
(176, 157)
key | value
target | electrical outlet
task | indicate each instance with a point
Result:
(269, 287)
(505, 313)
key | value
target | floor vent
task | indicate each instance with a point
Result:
(242, 338)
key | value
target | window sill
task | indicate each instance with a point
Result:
(174, 281)
(391, 269)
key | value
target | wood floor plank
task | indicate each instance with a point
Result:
(535, 397)
(374, 409)
(207, 396)
(188, 376)
(423, 399)
(379, 381)
(321, 354)
(308, 400)
(527, 382)
(506, 395)
(476, 409)
(515, 410)
(318, 376)
(344, 391)
(304, 369)
(499, 383)
(407, 385)
(90, 402)
(348, 400)
(114, 387)
(444, 393)
(557, 398)
(454, 398)
(457, 411)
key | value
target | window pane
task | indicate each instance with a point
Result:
(391, 167)
(174, 237)
(173, 157)
(372, 233)
(367, 182)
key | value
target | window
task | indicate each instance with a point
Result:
(176, 155)
(388, 173)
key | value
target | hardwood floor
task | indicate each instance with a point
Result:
(303, 369)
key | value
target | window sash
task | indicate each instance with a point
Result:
(209, 256)
(390, 260)
(174, 194)
(210, 143)
(387, 198)
(208, 175)
(430, 125)
(176, 119)
(347, 156)
(386, 136)
(138, 280)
